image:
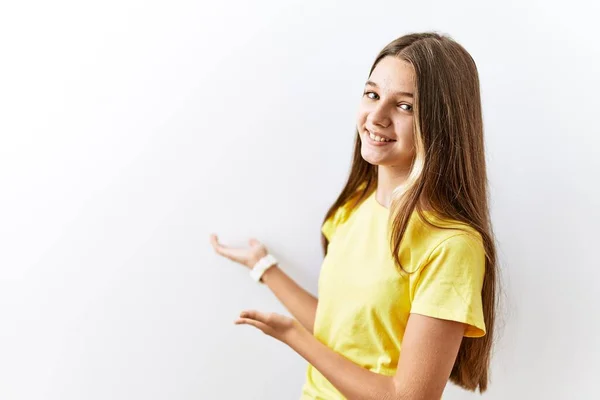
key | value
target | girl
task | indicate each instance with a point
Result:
(407, 289)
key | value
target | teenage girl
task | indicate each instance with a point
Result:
(407, 289)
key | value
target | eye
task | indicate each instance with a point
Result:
(372, 95)
(409, 107)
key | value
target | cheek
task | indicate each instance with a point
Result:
(404, 129)
(361, 118)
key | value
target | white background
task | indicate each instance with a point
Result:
(130, 130)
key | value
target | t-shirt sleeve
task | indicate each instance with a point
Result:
(331, 224)
(449, 284)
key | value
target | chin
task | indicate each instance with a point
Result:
(371, 158)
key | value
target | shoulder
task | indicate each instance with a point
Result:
(340, 217)
(439, 238)
(459, 249)
(344, 213)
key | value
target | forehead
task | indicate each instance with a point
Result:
(394, 74)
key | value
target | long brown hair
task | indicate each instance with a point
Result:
(448, 170)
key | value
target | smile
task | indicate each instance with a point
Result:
(375, 139)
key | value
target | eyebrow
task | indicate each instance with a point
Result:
(407, 94)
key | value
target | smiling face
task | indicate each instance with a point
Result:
(385, 115)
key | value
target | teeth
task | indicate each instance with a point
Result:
(378, 138)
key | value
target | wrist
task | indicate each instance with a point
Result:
(252, 261)
(269, 273)
(262, 266)
(295, 335)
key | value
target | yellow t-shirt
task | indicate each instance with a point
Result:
(364, 301)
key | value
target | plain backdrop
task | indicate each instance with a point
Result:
(131, 130)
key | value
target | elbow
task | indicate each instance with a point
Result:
(388, 391)
(398, 391)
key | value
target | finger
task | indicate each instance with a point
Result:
(255, 315)
(237, 255)
(257, 324)
(223, 250)
(214, 240)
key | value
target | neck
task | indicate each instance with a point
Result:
(389, 178)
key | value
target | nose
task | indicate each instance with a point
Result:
(380, 116)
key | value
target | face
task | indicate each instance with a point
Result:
(385, 115)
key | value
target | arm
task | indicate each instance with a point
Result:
(299, 302)
(429, 349)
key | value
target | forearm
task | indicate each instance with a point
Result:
(352, 380)
(299, 302)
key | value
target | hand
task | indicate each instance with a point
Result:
(248, 257)
(276, 325)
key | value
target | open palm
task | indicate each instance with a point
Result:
(247, 256)
(276, 325)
